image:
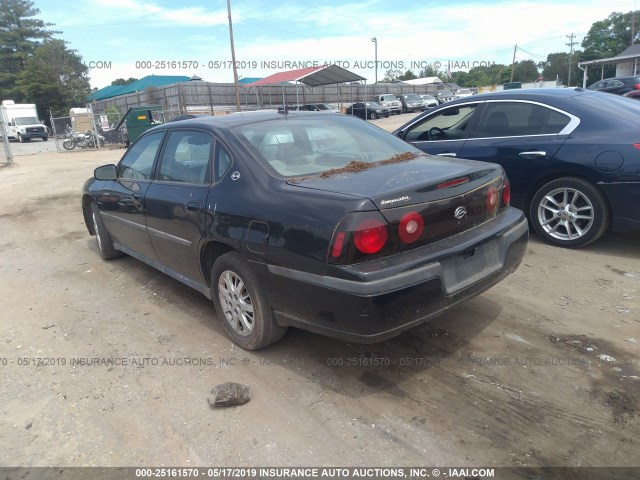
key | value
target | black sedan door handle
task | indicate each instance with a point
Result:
(537, 153)
(192, 207)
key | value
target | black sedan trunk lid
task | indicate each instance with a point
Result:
(445, 196)
(410, 182)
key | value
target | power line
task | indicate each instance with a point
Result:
(532, 54)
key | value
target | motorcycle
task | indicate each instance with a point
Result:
(81, 140)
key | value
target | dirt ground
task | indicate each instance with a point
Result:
(541, 370)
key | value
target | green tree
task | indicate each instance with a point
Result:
(557, 67)
(20, 35)
(525, 71)
(54, 78)
(391, 75)
(408, 75)
(482, 76)
(611, 36)
(429, 72)
(122, 81)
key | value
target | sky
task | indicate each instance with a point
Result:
(135, 38)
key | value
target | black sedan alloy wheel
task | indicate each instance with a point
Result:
(242, 305)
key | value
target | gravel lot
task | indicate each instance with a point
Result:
(541, 370)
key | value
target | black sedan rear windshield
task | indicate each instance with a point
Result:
(297, 146)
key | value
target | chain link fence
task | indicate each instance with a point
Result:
(83, 130)
(6, 157)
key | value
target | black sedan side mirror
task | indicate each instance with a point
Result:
(106, 172)
(400, 134)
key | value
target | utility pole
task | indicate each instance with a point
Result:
(513, 63)
(233, 59)
(375, 41)
(570, 45)
(633, 23)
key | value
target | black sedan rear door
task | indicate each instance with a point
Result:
(522, 136)
(176, 201)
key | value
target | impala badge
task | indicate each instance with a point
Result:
(460, 213)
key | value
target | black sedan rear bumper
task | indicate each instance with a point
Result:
(377, 300)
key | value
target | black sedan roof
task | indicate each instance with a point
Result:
(527, 93)
(613, 106)
(239, 118)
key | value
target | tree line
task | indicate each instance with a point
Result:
(36, 67)
(606, 38)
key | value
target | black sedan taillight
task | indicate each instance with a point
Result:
(359, 237)
(506, 192)
(363, 236)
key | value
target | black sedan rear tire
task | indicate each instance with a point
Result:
(241, 304)
(569, 212)
(373, 115)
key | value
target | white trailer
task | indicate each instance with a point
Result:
(21, 120)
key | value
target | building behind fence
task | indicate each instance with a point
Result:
(219, 98)
(103, 116)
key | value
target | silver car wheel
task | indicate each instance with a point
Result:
(565, 214)
(236, 303)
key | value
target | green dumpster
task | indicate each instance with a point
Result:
(140, 119)
(512, 85)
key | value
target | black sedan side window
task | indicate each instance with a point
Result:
(186, 158)
(513, 119)
(223, 161)
(452, 120)
(138, 161)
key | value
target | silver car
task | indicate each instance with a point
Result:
(390, 101)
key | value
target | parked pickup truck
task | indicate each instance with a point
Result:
(390, 101)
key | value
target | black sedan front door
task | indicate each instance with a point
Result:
(443, 132)
(122, 201)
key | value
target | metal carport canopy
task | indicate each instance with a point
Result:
(311, 76)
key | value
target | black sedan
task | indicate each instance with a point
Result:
(306, 219)
(366, 110)
(411, 103)
(618, 85)
(572, 155)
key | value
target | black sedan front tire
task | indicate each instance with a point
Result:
(569, 212)
(241, 304)
(103, 238)
(373, 115)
